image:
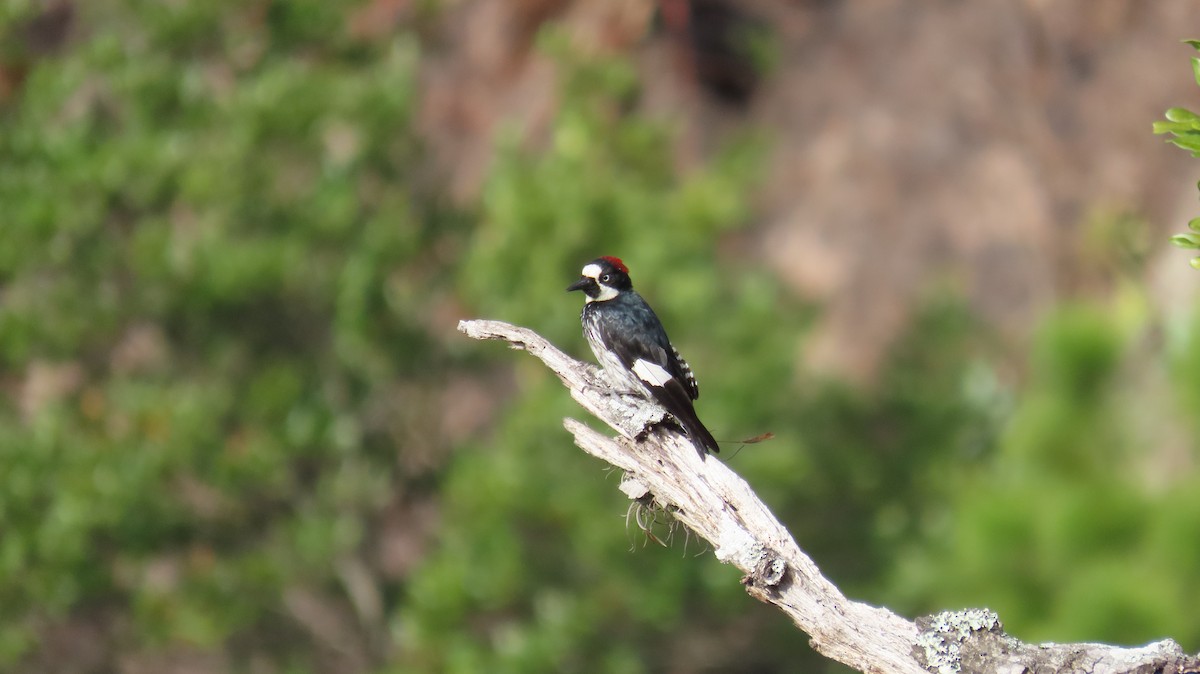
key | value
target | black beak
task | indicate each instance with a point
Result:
(583, 282)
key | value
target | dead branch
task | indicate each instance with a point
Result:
(662, 467)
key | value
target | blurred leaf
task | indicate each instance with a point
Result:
(1183, 115)
(1182, 124)
(1189, 240)
(1188, 141)
(1173, 127)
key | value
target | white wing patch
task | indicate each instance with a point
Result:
(651, 373)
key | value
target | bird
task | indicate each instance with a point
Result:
(632, 346)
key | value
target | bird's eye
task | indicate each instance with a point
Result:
(606, 278)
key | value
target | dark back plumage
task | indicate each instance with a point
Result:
(629, 328)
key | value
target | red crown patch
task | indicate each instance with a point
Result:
(616, 263)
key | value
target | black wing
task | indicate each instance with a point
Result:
(645, 351)
(681, 368)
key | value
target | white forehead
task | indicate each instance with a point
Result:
(591, 270)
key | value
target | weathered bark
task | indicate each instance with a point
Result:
(662, 468)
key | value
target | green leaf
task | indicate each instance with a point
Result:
(1195, 43)
(1172, 127)
(1182, 115)
(1195, 262)
(1196, 68)
(1186, 141)
(1186, 240)
(1194, 224)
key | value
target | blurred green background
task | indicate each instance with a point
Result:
(238, 432)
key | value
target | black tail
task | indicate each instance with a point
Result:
(676, 400)
(700, 436)
(686, 415)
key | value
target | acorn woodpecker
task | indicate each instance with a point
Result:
(632, 346)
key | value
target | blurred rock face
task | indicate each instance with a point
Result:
(961, 146)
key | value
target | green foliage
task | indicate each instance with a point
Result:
(212, 274)
(1061, 531)
(871, 466)
(1184, 127)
